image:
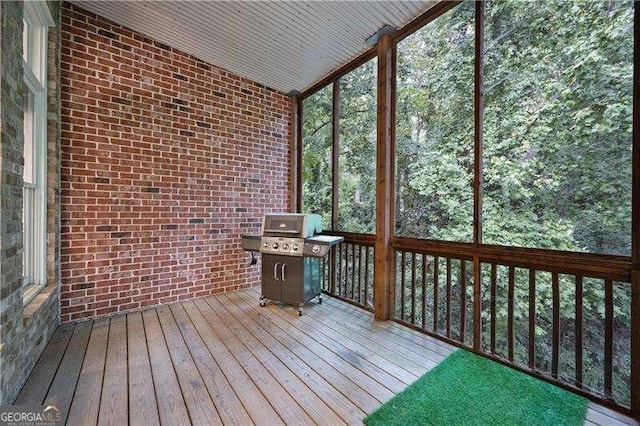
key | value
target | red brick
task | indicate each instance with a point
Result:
(144, 153)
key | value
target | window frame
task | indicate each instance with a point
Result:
(334, 81)
(36, 22)
(477, 241)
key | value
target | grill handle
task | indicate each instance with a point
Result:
(275, 271)
(284, 265)
(276, 232)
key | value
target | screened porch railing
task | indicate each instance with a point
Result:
(348, 270)
(563, 317)
(566, 320)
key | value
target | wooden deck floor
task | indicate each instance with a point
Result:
(226, 360)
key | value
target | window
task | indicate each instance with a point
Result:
(434, 129)
(36, 20)
(558, 81)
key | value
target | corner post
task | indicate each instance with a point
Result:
(384, 266)
(295, 197)
(635, 224)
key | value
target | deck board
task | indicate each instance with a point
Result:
(171, 405)
(401, 368)
(257, 406)
(196, 396)
(114, 408)
(35, 390)
(143, 409)
(228, 404)
(322, 361)
(298, 378)
(287, 407)
(351, 366)
(225, 360)
(64, 383)
(86, 406)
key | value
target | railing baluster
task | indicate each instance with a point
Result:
(448, 297)
(366, 276)
(325, 274)
(579, 342)
(555, 346)
(413, 287)
(463, 299)
(345, 279)
(339, 269)
(424, 291)
(402, 279)
(608, 337)
(359, 274)
(532, 319)
(332, 270)
(353, 270)
(435, 294)
(477, 303)
(510, 324)
(494, 290)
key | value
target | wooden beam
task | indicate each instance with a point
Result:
(635, 195)
(335, 154)
(384, 256)
(428, 16)
(477, 177)
(296, 151)
(432, 13)
(345, 69)
(635, 224)
(478, 109)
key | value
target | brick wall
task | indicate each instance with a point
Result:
(24, 329)
(166, 160)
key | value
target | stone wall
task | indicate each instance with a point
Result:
(24, 329)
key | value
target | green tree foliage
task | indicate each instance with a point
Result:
(357, 157)
(557, 125)
(557, 138)
(434, 129)
(316, 149)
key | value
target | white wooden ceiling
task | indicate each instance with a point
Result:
(285, 45)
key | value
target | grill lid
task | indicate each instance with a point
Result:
(291, 225)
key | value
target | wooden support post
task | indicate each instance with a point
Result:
(335, 154)
(635, 342)
(384, 257)
(477, 178)
(295, 195)
(635, 224)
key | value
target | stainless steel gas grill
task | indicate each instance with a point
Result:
(291, 257)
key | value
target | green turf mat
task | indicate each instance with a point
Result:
(467, 389)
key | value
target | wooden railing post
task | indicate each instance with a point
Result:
(384, 258)
(635, 342)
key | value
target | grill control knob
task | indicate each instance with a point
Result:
(275, 246)
(315, 248)
(295, 247)
(285, 247)
(265, 245)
